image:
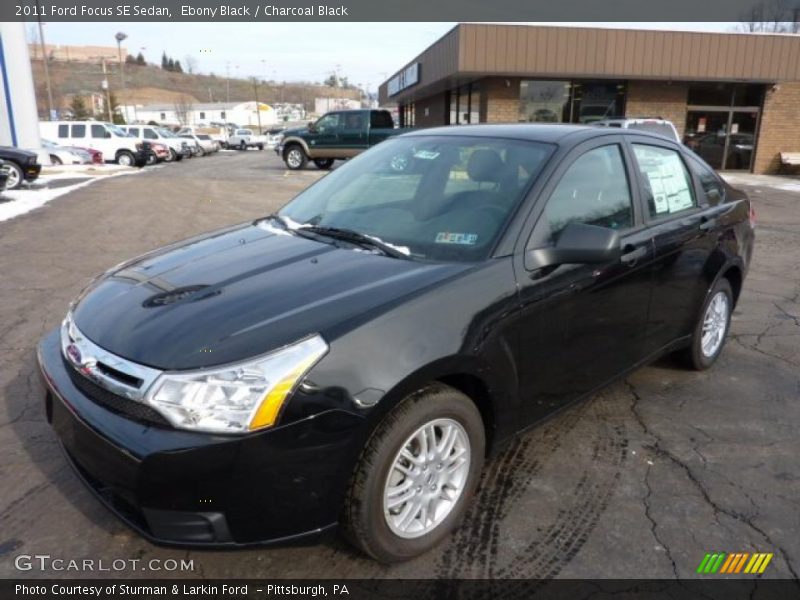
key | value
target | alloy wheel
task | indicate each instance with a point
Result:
(715, 324)
(426, 478)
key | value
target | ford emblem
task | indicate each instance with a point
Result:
(74, 354)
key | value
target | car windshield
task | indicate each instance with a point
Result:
(442, 198)
(166, 132)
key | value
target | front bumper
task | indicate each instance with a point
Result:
(284, 485)
(31, 172)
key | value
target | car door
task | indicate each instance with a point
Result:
(77, 134)
(325, 141)
(583, 324)
(683, 224)
(100, 139)
(353, 135)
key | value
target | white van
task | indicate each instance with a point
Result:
(178, 147)
(116, 145)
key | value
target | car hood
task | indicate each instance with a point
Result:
(294, 131)
(9, 152)
(241, 292)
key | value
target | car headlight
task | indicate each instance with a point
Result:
(237, 398)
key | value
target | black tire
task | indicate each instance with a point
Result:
(261, 146)
(172, 156)
(323, 163)
(151, 159)
(694, 356)
(125, 158)
(179, 156)
(364, 523)
(15, 176)
(242, 146)
(55, 161)
(295, 157)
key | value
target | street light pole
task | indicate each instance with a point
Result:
(258, 108)
(45, 63)
(120, 37)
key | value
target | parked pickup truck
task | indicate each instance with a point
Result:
(336, 135)
(245, 138)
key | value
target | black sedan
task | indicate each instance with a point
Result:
(354, 358)
(22, 166)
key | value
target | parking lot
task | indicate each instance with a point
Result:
(640, 481)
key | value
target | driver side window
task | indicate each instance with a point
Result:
(594, 190)
(329, 123)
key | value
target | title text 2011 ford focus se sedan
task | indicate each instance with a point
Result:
(353, 358)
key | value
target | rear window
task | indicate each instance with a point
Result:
(63, 131)
(78, 131)
(381, 120)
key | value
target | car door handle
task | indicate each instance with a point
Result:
(707, 223)
(632, 255)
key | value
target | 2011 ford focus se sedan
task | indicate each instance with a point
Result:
(354, 358)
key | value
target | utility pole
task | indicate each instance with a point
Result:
(258, 108)
(45, 62)
(104, 85)
(120, 37)
(228, 82)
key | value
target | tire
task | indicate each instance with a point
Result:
(125, 158)
(15, 176)
(172, 156)
(323, 163)
(718, 306)
(201, 152)
(179, 156)
(378, 531)
(242, 146)
(55, 161)
(151, 159)
(261, 146)
(295, 157)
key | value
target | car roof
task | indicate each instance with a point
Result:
(535, 132)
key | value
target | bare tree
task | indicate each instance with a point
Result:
(191, 63)
(772, 16)
(183, 108)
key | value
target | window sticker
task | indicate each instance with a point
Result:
(467, 239)
(667, 179)
(426, 154)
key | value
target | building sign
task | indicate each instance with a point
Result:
(405, 79)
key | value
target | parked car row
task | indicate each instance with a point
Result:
(18, 166)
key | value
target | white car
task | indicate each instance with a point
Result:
(179, 149)
(242, 139)
(205, 146)
(53, 154)
(115, 144)
(649, 124)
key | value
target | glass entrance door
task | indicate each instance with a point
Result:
(724, 138)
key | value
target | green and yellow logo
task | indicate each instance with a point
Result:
(733, 563)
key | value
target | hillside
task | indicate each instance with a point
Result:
(151, 84)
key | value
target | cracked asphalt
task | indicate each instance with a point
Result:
(640, 481)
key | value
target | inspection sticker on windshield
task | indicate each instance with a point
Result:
(445, 237)
(426, 154)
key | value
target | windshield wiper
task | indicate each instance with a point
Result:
(348, 235)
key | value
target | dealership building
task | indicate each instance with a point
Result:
(734, 97)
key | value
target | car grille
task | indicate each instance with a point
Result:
(117, 404)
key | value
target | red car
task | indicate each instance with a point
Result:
(97, 156)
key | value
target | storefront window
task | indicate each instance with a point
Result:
(593, 101)
(725, 94)
(465, 105)
(544, 101)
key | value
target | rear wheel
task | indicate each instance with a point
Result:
(125, 158)
(151, 159)
(323, 163)
(712, 327)
(55, 161)
(295, 158)
(15, 176)
(242, 146)
(261, 146)
(416, 475)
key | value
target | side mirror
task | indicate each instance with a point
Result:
(578, 243)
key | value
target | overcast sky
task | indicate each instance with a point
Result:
(365, 52)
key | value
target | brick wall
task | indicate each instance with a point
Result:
(658, 99)
(435, 107)
(780, 127)
(501, 100)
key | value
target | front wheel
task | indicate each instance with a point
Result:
(324, 163)
(55, 161)
(15, 176)
(242, 146)
(151, 159)
(295, 158)
(712, 327)
(261, 146)
(416, 475)
(125, 159)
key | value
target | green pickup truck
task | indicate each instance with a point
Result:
(337, 135)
